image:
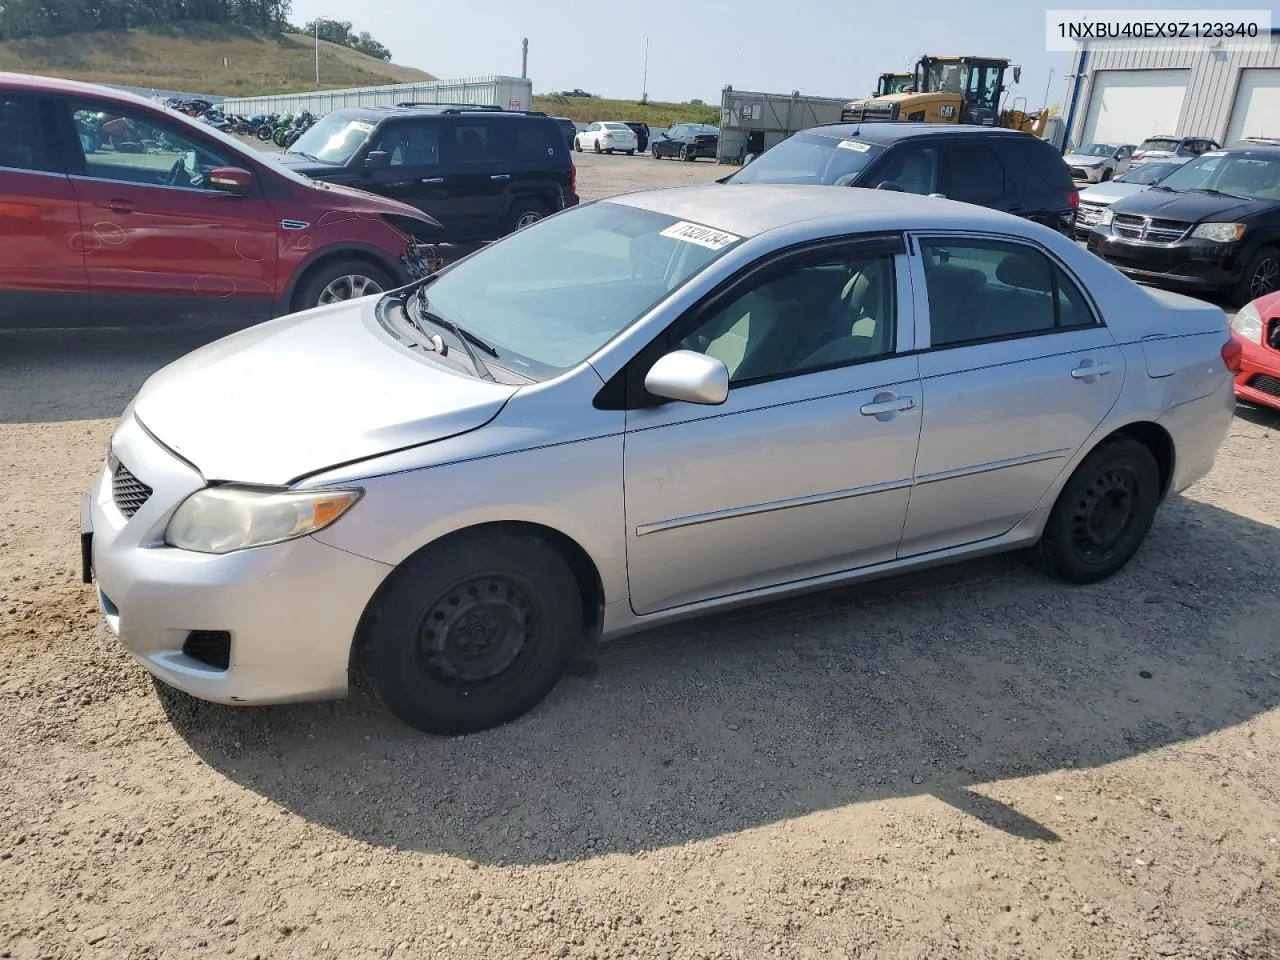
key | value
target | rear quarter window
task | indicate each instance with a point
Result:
(1032, 166)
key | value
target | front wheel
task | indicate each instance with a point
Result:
(655, 154)
(631, 153)
(341, 280)
(474, 633)
(1261, 276)
(1103, 513)
(577, 145)
(1106, 175)
(597, 145)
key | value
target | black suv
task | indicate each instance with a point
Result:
(481, 173)
(1003, 169)
(1212, 225)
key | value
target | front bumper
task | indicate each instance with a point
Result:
(1258, 381)
(290, 610)
(1193, 264)
(1087, 174)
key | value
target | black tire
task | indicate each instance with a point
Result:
(577, 144)
(1103, 513)
(314, 289)
(656, 155)
(473, 634)
(686, 153)
(631, 153)
(1261, 275)
(524, 213)
(1106, 175)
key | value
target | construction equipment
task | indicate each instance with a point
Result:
(894, 83)
(950, 89)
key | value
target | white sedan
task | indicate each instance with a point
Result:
(606, 138)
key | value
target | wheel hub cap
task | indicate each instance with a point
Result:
(475, 631)
(1265, 278)
(1104, 515)
(349, 288)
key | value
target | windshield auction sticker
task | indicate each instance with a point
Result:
(1218, 30)
(707, 237)
(853, 145)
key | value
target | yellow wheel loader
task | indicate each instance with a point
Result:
(894, 83)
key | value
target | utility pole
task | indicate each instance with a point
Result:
(644, 84)
(1045, 102)
(524, 59)
(317, 51)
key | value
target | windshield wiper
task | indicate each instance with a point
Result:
(306, 156)
(1217, 193)
(465, 337)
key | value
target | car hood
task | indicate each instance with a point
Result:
(1190, 207)
(289, 397)
(1084, 159)
(1110, 192)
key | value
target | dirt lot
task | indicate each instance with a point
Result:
(980, 763)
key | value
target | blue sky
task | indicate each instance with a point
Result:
(823, 47)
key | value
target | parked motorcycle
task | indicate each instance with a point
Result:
(301, 123)
(283, 125)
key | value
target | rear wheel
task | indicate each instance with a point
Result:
(598, 150)
(656, 155)
(577, 144)
(631, 153)
(1261, 276)
(525, 213)
(1103, 513)
(339, 280)
(473, 634)
(686, 153)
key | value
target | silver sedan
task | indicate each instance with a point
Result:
(640, 410)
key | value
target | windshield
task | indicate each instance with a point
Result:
(948, 77)
(1239, 175)
(1097, 150)
(549, 295)
(333, 139)
(810, 158)
(1159, 144)
(1148, 173)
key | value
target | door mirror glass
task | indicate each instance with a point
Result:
(1017, 74)
(748, 158)
(690, 377)
(377, 160)
(234, 180)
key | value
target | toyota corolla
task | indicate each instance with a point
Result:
(635, 411)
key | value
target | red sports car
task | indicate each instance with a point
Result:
(1257, 329)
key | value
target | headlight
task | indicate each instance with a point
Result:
(1219, 232)
(229, 518)
(1248, 323)
(1106, 216)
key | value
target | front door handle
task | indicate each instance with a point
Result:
(885, 405)
(433, 179)
(1088, 370)
(118, 205)
(501, 176)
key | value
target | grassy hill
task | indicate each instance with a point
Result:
(189, 58)
(657, 115)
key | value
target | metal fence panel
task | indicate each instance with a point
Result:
(481, 91)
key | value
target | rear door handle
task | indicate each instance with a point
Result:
(501, 176)
(118, 205)
(1088, 370)
(887, 403)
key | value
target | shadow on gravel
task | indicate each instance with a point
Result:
(48, 376)
(938, 685)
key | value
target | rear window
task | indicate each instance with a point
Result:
(616, 126)
(1159, 143)
(811, 158)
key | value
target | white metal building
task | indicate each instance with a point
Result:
(510, 93)
(1195, 89)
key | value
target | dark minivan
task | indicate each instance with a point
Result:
(1003, 169)
(1211, 226)
(481, 173)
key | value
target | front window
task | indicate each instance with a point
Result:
(1148, 173)
(548, 296)
(133, 146)
(810, 158)
(333, 139)
(944, 77)
(1241, 175)
(1097, 150)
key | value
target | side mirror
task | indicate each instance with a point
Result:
(233, 180)
(1017, 74)
(886, 185)
(377, 160)
(690, 377)
(748, 158)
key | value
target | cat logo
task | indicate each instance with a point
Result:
(947, 112)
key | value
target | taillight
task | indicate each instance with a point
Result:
(1233, 355)
(1073, 198)
(573, 178)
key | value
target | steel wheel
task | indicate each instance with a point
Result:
(348, 287)
(527, 219)
(1265, 279)
(1104, 515)
(476, 630)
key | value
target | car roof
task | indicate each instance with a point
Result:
(889, 133)
(1261, 149)
(26, 81)
(752, 209)
(375, 114)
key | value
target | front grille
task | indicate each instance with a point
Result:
(1079, 173)
(210, 647)
(1267, 384)
(1089, 213)
(1273, 338)
(1149, 230)
(128, 492)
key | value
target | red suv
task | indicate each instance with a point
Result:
(115, 210)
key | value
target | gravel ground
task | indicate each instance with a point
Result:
(976, 763)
